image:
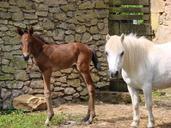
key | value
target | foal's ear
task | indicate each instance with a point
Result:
(19, 31)
(122, 37)
(107, 37)
(30, 31)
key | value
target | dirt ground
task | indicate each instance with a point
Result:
(116, 116)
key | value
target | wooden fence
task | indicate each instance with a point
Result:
(130, 16)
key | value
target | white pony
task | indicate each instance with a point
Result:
(143, 64)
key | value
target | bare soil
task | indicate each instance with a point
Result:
(114, 116)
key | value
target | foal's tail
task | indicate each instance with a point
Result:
(95, 60)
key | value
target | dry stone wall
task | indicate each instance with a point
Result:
(58, 21)
(161, 20)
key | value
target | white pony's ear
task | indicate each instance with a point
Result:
(107, 37)
(122, 38)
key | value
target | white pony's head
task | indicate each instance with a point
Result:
(115, 53)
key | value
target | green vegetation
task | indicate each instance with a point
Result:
(20, 119)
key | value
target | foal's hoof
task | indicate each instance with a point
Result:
(85, 119)
(47, 123)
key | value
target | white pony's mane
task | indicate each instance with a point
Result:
(136, 49)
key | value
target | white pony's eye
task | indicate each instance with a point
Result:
(106, 53)
(122, 53)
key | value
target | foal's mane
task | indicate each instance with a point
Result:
(40, 38)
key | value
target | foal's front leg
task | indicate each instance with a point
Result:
(135, 103)
(47, 93)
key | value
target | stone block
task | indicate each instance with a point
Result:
(29, 103)
(86, 37)
(100, 5)
(80, 29)
(18, 16)
(69, 91)
(86, 5)
(21, 75)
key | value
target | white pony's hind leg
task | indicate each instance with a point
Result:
(147, 90)
(135, 103)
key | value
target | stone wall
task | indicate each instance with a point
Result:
(161, 20)
(58, 21)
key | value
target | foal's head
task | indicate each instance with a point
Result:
(26, 39)
(114, 51)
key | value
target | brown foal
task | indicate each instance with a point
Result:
(53, 57)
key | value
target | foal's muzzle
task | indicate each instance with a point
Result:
(26, 58)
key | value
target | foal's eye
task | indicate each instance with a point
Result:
(122, 53)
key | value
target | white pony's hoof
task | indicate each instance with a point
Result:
(150, 125)
(135, 124)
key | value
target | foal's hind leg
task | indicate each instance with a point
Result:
(47, 93)
(84, 69)
(91, 93)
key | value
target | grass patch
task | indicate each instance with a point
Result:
(20, 119)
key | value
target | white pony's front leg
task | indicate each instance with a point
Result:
(147, 90)
(135, 103)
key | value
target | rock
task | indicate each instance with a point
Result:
(100, 5)
(73, 76)
(94, 30)
(62, 79)
(42, 7)
(69, 91)
(8, 69)
(3, 28)
(48, 24)
(77, 37)
(6, 77)
(42, 13)
(86, 5)
(16, 93)
(21, 75)
(29, 103)
(86, 37)
(37, 84)
(56, 89)
(69, 98)
(76, 95)
(57, 94)
(74, 82)
(35, 75)
(68, 7)
(80, 88)
(18, 16)
(60, 16)
(69, 38)
(4, 4)
(68, 70)
(59, 35)
(84, 92)
(55, 2)
(30, 16)
(80, 29)
(5, 15)
(95, 77)
(100, 26)
(5, 93)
